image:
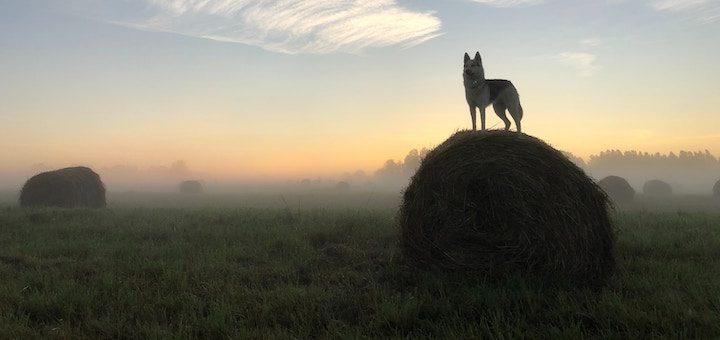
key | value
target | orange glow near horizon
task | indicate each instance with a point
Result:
(328, 150)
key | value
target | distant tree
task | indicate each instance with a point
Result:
(399, 172)
(358, 177)
(411, 163)
(342, 185)
(176, 169)
(689, 171)
(617, 158)
(389, 169)
(191, 187)
(575, 159)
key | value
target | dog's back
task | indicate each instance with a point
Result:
(504, 95)
(497, 86)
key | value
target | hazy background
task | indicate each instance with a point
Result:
(248, 94)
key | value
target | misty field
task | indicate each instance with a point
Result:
(130, 272)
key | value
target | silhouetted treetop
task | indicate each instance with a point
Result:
(614, 158)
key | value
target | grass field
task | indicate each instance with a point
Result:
(127, 272)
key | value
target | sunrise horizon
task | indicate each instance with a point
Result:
(149, 83)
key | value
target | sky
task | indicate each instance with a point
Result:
(258, 89)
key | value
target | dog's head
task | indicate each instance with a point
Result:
(473, 67)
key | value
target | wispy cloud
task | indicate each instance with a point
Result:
(591, 42)
(292, 26)
(677, 4)
(508, 3)
(583, 62)
(703, 10)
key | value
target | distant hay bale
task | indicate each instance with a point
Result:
(618, 189)
(657, 188)
(191, 187)
(496, 202)
(716, 189)
(65, 188)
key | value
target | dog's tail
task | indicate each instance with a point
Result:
(521, 110)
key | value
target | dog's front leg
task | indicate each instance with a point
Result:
(482, 118)
(472, 116)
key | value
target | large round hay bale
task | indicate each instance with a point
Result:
(618, 189)
(191, 187)
(657, 188)
(64, 188)
(716, 189)
(497, 202)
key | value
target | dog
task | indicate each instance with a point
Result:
(481, 92)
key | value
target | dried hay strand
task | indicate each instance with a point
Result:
(618, 189)
(64, 188)
(497, 202)
(657, 187)
(191, 187)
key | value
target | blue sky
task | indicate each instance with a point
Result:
(276, 88)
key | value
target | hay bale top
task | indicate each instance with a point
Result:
(65, 188)
(657, 187)
(497, 202)
(191, 187)
(618, 189)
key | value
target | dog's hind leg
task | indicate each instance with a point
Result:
(473, 113)
(516, 112)
(500, 111)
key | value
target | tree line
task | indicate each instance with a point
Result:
(688, 170)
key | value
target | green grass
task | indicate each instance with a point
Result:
(222, 273)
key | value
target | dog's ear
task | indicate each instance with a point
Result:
(477, 57)
(467, 58)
